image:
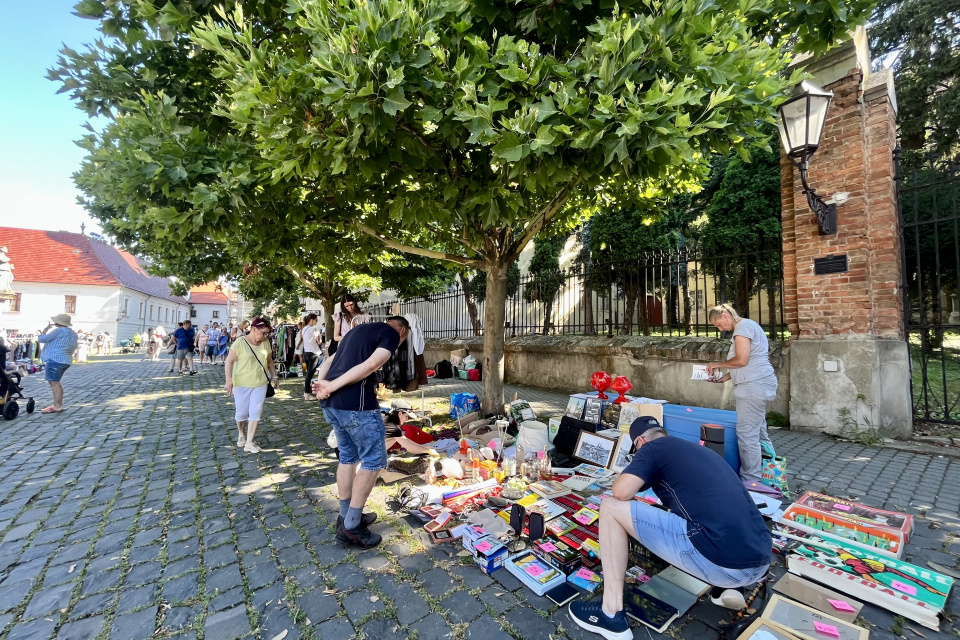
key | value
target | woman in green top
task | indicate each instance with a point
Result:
(247, 367)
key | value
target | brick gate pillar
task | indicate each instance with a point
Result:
(849, 362)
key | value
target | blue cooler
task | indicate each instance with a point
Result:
(684, 422)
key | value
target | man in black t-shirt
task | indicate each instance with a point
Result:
(711, 527)
(347, 389)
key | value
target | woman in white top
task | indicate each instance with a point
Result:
(349, 316)
(754, 385)
(310, 343)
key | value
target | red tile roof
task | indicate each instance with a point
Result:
(73, 258)
(209, 293)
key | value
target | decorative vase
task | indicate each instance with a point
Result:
(600, 380)
(621, 385)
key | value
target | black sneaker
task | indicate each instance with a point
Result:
(361, 537)
(366, 520)
(591, 617)
(193, 373)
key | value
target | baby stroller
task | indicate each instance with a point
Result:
(9, 390)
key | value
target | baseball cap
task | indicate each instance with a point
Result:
(261, 323)
(641, 425)
(401, 405)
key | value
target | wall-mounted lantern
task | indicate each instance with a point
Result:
(801, 125)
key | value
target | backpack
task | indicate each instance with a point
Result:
(444, 369)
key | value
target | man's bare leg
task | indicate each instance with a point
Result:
(616, 526)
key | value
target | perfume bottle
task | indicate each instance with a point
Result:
(475, 468)
(546, 464)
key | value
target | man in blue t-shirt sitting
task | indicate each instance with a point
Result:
(347, 388)
(711, 527)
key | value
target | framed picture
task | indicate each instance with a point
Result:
(575, 407)
(621, 455)
(592, 410)
(594, 449)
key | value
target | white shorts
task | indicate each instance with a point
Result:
(249, 402)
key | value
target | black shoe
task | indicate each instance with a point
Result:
(361, 537)
(366, 520)
(193, 373)
(591, 617)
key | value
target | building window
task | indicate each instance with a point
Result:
(151, 312)
(70, 304)
(193, 313)
(216, 314)
(126, 307)
(141, 310)
(166, 315)
(15, 303)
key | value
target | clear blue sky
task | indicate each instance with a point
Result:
(38, 127)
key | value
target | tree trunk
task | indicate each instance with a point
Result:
(547, 314)
(494, 319)
(328, 304)
(772, 310)
(743, 293)
(643, 315)
(589, 323)
(631, 293)
(471, 303)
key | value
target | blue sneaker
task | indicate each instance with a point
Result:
(591, 617)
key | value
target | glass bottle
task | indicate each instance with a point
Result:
(430, 475)
(546, 464)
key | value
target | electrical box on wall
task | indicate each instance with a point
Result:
(831, 365)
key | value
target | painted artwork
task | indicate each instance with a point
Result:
(906, 589)
(611, 416)
(628, 413)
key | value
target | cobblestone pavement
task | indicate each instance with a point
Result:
(134, 515)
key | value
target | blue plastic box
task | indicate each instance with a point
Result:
(684, 422)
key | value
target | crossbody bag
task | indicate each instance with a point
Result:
(270, 390)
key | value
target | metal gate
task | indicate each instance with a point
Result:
(929, 203)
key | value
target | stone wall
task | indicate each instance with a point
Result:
(658, 367)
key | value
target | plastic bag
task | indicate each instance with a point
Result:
(463, 403)
(774, 474)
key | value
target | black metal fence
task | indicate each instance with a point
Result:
(664, 293)
(930, 224)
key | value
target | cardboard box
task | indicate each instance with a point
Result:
(537, 587)
(470, 533)
(459, 353)
(489, 554)
(557, 554)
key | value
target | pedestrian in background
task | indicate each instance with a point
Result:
(59, 342)
(185, 336)
(754, 385)
(309, 339)
(249, 369)
(349, 316)
(202, 342)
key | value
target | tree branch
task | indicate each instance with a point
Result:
(427, 253)
(402, 125)
(309, 284)
(546, 216)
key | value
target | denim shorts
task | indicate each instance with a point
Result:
(665, 534)
(360, 437)
(183, 354)
(53, 371)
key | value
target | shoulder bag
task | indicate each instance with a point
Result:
(270, 390)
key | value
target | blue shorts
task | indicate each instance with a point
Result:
(665, 534)
(53, 371)
(360, 437)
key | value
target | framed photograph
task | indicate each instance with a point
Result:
(575, 407)
(594, 449)
(592, 410)
(621, 455)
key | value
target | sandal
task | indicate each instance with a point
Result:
(50, 409)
